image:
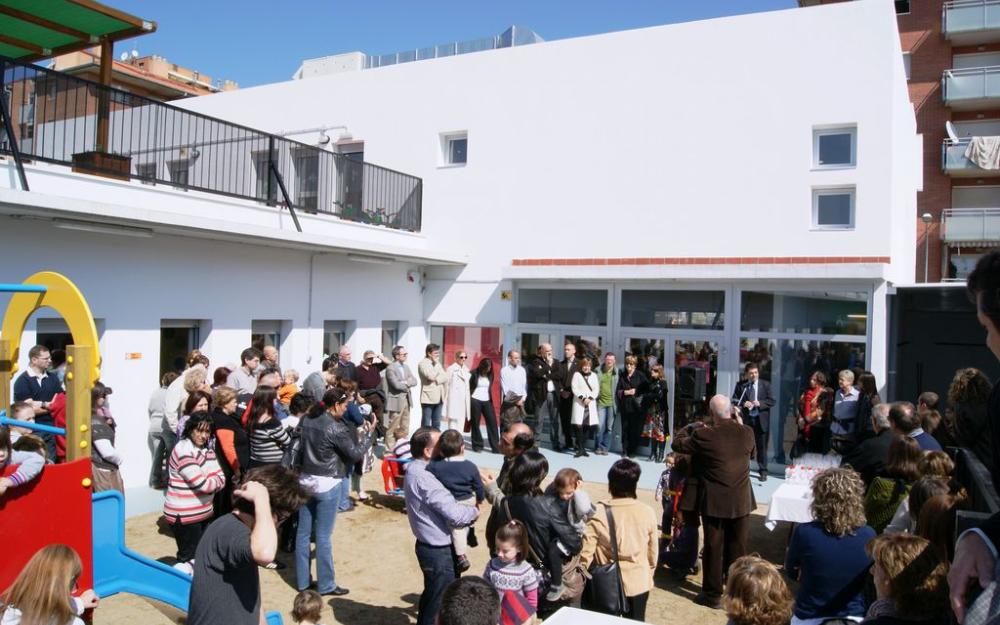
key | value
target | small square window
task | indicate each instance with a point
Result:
(454, 149)
(834, 147)
(833, 209)
(902, 7)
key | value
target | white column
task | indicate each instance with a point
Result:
(877, 355)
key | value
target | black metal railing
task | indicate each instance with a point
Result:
(67, 120)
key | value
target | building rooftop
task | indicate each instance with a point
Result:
(352, 61)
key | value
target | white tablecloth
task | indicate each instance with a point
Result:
(576, 616)
(790, 502)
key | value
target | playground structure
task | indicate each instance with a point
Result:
(59, 507)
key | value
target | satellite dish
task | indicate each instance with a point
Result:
(124, 56)
(135, 53)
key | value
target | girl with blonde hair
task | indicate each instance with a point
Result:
(41, 593)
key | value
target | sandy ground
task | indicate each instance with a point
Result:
(373, 554)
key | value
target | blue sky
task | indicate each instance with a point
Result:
(262, 41)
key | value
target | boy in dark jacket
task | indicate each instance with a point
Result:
(461, 478)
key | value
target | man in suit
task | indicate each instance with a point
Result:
(720, 456)
(544, 383)
(870, 456)
(398, 382)
(905, 421)
(753, 397)
(567, 369)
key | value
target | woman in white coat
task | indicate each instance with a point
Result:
(586, 387)
(456, 407)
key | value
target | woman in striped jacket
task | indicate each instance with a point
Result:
(195, 476)
(268, 437)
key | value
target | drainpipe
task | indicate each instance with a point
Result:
(309, 301)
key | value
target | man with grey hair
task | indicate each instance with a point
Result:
(720, 457)
(398, 382)
(870, 456)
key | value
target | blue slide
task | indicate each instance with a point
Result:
(119, 569)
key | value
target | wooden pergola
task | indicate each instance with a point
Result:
(32, 30)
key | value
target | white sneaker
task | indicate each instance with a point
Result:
(185, 567)
(362, 496)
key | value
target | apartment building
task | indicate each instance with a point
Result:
(601, 189)
(151, 75)
(952, 54)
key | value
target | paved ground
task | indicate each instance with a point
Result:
(373, 551)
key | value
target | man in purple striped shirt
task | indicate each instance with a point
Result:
(433, 513)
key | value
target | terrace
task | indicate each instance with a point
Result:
(50, 117)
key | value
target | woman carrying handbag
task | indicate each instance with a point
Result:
(620, 548)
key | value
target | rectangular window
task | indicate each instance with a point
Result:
(834, 147)
(907, 58)
(703, 310)
(390, 337)
(265, 334)
(563, 306)
(833, 209)
(902, 7)
(334, 335)
(805, 312)
(455, 148)
(178, 171)
(307, 180)
(265, 186)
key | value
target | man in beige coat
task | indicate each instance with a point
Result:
(433, 387)
(636, 534)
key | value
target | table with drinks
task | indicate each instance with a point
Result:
(792, 500)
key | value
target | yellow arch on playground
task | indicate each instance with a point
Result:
(83, 357)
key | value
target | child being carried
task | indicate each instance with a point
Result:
(461, 478)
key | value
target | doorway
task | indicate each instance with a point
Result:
(177, 338)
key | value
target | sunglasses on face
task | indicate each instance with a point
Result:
(462, 357)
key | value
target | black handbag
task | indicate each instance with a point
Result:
(604, 591)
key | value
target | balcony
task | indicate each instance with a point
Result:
(971, 226)
(973, 88)
(955, 164)
(108, 132)
(971, 22)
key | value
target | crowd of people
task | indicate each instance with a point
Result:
(251, 463)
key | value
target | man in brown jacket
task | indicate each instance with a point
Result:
(720, 458)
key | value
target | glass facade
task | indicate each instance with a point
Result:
(789, 333)
(804, 312)
(563, 306)
(787, 365)
(702, 310)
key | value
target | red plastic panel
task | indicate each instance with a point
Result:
(55, 508)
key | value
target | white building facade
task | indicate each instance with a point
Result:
(699, 195)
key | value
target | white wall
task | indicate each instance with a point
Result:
(663, 133)
(682, 140)
(131, 284)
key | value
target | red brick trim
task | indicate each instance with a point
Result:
(712, 260)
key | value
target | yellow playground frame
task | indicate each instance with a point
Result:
(47, 289)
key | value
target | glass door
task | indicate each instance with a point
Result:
(695, 369)
(648, 351)
(587, 343)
